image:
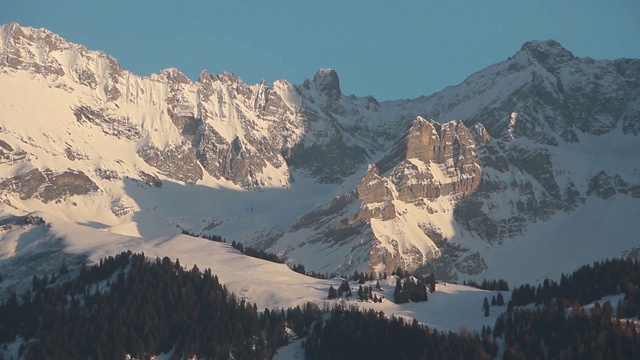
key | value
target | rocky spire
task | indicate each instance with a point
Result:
(328, 83)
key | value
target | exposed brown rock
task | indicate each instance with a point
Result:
(48, 186)
(179, 162)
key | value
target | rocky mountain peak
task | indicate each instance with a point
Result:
(15, 31)
(42, 52)
(546, 94)
(203, 75)
(229, 78)
(10, 29)
(326, 81)
(174, 75)
(546, 46)
(14, 35)
(549, 53)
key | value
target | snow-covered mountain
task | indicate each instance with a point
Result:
(544, 157)
(539, 150)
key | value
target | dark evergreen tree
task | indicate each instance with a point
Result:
(299, 269)
(498, 329)
(485, 306)
(398, 295)
(332, 293)
(362, 278)
(64, 269)
(410, 289)
(431, 280)
(344, 288)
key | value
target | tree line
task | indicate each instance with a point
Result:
(247, 250)
(352, 333)
(553, 332)
(587, 284)
(129, 305)
(491, 285)
(561, 327)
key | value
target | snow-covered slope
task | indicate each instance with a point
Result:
(528, 152)
(40, 243)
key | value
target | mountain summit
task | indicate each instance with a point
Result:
(548, 52)
(473, 181)
(327, 82)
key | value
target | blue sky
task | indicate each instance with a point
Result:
(388, 49)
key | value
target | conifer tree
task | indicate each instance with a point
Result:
(432, 282)
(64, 268)
(498, 329)
(332, 293)
(485, 306)
(398, 289)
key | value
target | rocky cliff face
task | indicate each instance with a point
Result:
(249, 135)
(539, 135)
(430, 162)
(443, 188)
(435, 160)
(532, 144)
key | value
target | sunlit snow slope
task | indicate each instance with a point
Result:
(34, 248)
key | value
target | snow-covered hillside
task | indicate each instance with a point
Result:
(40, 243)
(529, 168)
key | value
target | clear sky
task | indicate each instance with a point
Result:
(388, 49)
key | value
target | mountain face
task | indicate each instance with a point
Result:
(339, 183)
(546, 94)
(249, 135)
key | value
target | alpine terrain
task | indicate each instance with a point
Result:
(527, 169)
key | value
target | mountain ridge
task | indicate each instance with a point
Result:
(339, 183)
